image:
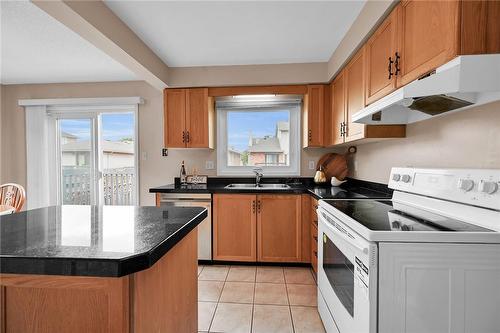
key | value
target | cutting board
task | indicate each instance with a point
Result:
(335, 165)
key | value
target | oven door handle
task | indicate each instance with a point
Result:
(345, 237)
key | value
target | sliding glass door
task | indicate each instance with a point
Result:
(97, 158)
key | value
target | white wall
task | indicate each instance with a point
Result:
(465, 139)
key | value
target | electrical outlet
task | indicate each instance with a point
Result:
(209, 165)
(312, 165)
(164, 152)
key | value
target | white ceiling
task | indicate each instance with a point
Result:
(187, 33)
(35, 48)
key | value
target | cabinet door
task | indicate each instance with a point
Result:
(380, 53)
(337, 109)
(234, 227)
(315, 113)
(174, 118)
(279, 228)
(197, 118)
(428, 37)
(355, 95)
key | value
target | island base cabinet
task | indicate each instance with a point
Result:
(162, 298)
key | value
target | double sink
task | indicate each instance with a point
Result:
(258, 187)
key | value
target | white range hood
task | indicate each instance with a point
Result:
(464, 82)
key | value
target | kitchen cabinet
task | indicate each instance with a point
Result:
(419, 36)
(189, 118)
(334, 127)
(279, 228)
(313, 225)
(234, 227)
(314, 104)
(380, 51)
(264, 227)
(354, 96)
(428, 37)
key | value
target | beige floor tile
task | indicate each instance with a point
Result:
(214, 273)
(301, 294)
(270, 274)
(200, 268)
(206, 311)
(271, 293)
(238, 292)
(271, 318)
(306, 320)
(209, 291)
(241, 274)
(232, 318)
(300, 275)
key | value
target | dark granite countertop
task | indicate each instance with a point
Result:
(352, 189)
(108, 241)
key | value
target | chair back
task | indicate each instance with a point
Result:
(12, 195)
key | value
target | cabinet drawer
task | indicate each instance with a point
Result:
(314, 246)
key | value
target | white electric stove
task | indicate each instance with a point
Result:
(426, 261)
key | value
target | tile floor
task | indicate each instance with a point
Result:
(251, 299)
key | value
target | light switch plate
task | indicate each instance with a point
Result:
(312, 165)
(209, 165)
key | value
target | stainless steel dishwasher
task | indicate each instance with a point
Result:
(205, 227)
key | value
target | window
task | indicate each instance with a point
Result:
(258, 132)
(82, 151)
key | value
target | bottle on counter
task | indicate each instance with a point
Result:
(183, 174)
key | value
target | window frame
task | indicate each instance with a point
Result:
(294, 141)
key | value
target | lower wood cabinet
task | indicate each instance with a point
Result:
(279, 228)
(234, 227)
(264, 227)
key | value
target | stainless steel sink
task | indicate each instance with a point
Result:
(260, 187)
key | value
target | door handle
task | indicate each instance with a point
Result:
(253, 206)
(396, 64)
(389, 68)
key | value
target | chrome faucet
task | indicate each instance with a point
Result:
(258, 175)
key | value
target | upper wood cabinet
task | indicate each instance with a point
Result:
(347, 98)
(354, 96)
(313, 115)
(189, 118)
(380, 52)
(279, 228)
(419, 36)
(234, 227)
(335, 124)
(428, 37)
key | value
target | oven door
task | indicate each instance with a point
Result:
(347, 275)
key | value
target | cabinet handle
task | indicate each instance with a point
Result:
(253, 206)
(183, 136)
(310, 135)
(259, 204)
(396, 63)
(389, 68)
(187, 136)
(345, 129)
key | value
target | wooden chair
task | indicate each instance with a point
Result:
(12, 195)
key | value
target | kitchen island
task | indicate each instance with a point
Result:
(99, 269)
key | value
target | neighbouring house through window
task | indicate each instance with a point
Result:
(258, 131)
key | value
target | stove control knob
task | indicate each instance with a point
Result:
(406, 178)
(396, 177)
(466, 184)
(488, 187)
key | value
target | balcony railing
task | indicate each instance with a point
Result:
(118, 186)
